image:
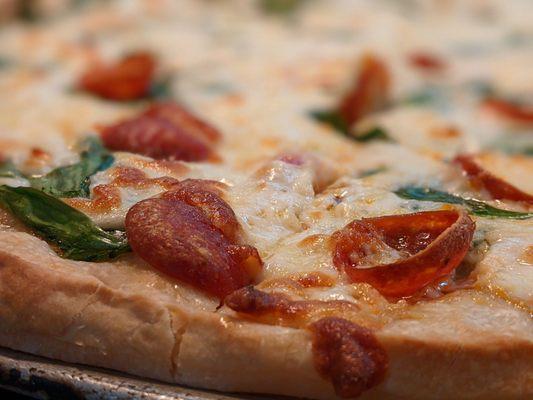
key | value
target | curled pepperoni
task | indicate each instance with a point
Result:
(177, 115)
(129, 79)
(178, 235)
(349, 355)
(401, 254)
(369, 93)
(427, 62)
(510, 111)
(482, 179)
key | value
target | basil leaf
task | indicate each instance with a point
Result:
(426, 96)
(73, 180)
(280, 7)
(161, 89)
(8, 170)
(475, 207)
(71, 230)
(372, 171)
(375, 133)
(333, 119)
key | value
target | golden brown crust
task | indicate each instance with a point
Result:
(48, 308)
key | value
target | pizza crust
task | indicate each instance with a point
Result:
(75, 317)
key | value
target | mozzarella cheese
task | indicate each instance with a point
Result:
(257, 79)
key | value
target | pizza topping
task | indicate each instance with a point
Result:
(349, 355)
(205, 195)
(9, 170)
(509, 110)
(324, 171)
(128, 79)
(167, 131)
(108, 197)
(344, 352)
(189, 234)
(401, 254)
(376, 133)
(316, 279)
(279, 309)
(369, 94)
(483, 179)
(71, 180)
(475, 207)
(179, 116)
(72, 231)
(136, 178)
(426, 62)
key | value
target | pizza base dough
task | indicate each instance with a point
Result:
(48, 310)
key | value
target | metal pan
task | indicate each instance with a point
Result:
(42, 378)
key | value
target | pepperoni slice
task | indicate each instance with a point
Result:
(510, 111)
(178, 235)
(163, 131)
(279, 309)
(369, 93)
(401, 254)
(482, 179)
(154, 137)
(177, 115)
(129, 79)
(204, 195)
(426, 61)
(349, 355)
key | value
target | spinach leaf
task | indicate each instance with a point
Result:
(161, 89)
(333, 119)
(475, 207)
(9, 170)
(280, 7)
(375, 133)
(72, 231)
(73, 180)
(372, 171)
(426, 96)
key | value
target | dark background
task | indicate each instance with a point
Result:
(6, 394)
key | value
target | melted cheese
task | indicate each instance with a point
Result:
(257, 79)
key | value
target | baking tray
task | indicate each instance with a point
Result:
(42, 378)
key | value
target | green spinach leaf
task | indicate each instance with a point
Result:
(9, 170)
(73, 180)
(375, 133)
(475, 207)
(280, 7)
(71, 230)
(333, 119)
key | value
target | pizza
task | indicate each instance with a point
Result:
(318, 199)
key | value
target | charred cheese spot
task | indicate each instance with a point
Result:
(136, 178)
(105, 198)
